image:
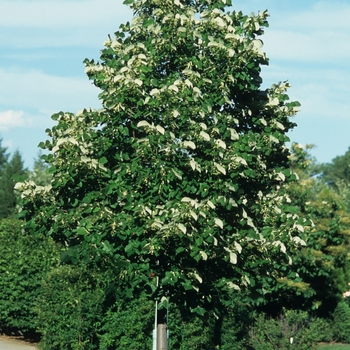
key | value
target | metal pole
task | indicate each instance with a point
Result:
(155, 330)
(162, 341)
(160, 334)
(154, 335)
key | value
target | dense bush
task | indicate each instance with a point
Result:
(69, 306)
(70, 310)
(24, 261)
(341, 322)
(128, 325)
(292, 330)
(196, 334)
(235, 326)
(189, 331)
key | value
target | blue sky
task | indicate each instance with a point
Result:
(44, 42)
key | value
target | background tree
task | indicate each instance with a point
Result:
(40, 174)
(178, 175)
(338, 170)
(337, 175)
(8, 198)
(319, 274)
(3, 155)
(3, 162)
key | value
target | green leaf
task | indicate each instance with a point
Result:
(199, 310)
(103, 160)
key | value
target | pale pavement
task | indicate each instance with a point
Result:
(13, 344)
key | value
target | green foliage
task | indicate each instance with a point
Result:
(3, 155)
(235, 326)
(24, 261)
(319, 273)
(338, 170)
(270, 333)
(197, 334)
(322, 329)
(70, 309)
(178, 173)
(189, 330)
(337, 175)
(341, 322)
(40, 174)
(74, 313)
(128, 326)
(192, 331)
(8, 198)
(343, 189)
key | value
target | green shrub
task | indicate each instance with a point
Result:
(235, 325)
(128, 325)
(266, 334)
(70, 309)
(321, 330)
(24, 261)
(197, 334)
(341, 322)
(270, 334)
(189, 331)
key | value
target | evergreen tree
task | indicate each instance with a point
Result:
(341, 322)
(8, 198)
(3, 156)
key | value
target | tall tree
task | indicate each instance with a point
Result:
(178, 175)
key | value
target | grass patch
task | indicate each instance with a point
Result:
(334, 347)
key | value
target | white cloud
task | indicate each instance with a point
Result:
(313, 46)
(320, 102)
(10, 119)
(323, 15)
(59, 14)
(43, 93)
(56, 23)
(319, 34)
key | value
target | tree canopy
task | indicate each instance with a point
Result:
(179, 174)
(337, 175)
(338, 170)
(319, 273)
